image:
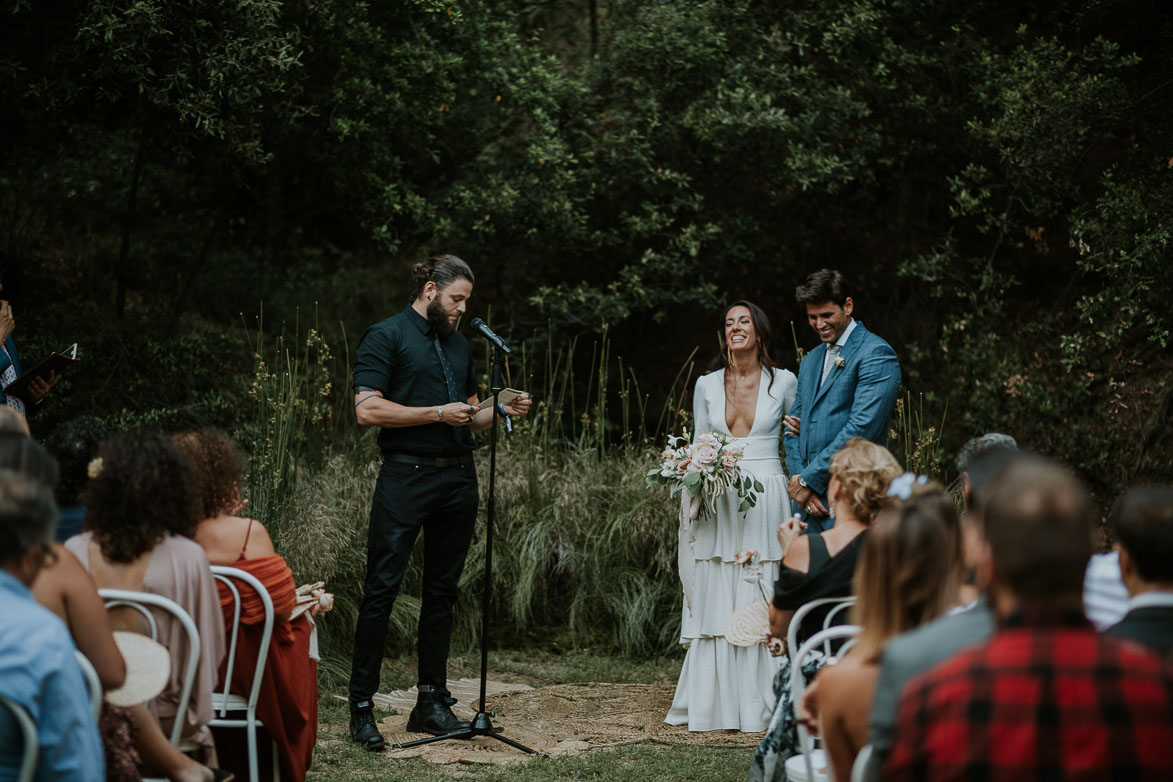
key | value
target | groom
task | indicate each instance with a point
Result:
(846, 388)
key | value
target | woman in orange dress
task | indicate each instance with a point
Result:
(288, 701)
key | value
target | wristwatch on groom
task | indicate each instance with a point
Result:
(802, 483)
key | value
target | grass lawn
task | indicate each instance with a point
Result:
(340, 761)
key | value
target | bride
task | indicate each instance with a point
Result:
(721, 686)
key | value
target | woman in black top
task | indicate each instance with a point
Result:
(823, 564)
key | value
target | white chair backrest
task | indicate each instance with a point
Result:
(93, 682)
(228, 576)
(143, 602)
(798, 684)
(859, 769)
(28, 732)
(804, 609)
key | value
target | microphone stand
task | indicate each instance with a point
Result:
(481, 724)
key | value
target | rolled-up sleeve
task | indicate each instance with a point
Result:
(374, 360)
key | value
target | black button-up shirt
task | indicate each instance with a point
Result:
(397, 357)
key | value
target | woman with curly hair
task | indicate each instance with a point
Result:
(821, 565)
(141, 516)
(288, 700)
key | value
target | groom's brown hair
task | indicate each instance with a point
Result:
(823, 285)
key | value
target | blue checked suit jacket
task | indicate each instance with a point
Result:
(856, 401)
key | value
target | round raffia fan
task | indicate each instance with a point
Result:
(748, 625)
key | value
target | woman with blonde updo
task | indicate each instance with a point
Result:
(821, 565)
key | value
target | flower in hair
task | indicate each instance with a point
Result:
(902, 487)
(94, 468)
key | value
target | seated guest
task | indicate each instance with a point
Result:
(140, 515)
(1142, 520)
(1105, 597)
(821, 565)
(969, 455)
(1046, 697)
(38, 668)
(288, 701)
(909, 572)
(917, 650)
(21, 454)
(74, 445)
(12, 421)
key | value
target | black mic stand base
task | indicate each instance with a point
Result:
(481, 726)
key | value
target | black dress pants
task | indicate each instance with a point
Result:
(442, 502)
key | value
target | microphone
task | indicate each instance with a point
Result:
(486, 332)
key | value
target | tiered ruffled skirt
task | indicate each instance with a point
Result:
(721, 686)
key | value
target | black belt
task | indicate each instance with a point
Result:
(439, 461)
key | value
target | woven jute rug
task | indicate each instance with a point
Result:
(559, 720)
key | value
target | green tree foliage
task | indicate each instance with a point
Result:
(994, 177)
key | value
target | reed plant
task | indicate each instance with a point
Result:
(914, 440)
(289, 412)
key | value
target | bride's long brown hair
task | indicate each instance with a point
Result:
(761, 327)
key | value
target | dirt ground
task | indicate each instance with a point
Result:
(557, 720)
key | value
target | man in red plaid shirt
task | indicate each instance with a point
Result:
(1046, 697)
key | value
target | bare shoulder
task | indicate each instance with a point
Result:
(260, 544)
(847, 678)
(798, 556)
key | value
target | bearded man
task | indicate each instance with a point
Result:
(413, 378)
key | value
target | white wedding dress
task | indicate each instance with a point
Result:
(721, 686)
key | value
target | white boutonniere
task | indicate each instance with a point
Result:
(840, 362)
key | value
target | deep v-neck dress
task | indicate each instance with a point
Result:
(721, 686)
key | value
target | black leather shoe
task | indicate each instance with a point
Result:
(363, 730)
(433, 713)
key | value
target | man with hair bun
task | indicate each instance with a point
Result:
(847, 387)
(413, 378)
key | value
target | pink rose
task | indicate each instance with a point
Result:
(729, 460)
(705, 456)
(707, 438)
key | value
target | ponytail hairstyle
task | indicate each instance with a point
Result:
(440, 269)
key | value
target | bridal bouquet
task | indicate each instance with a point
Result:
(705, 468)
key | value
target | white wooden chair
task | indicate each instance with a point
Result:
(143, 602)
(224, 702)
(92, 682)
(859, 769)
(841, 608)
(28, 732)
(802, 767)
(838, 603)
